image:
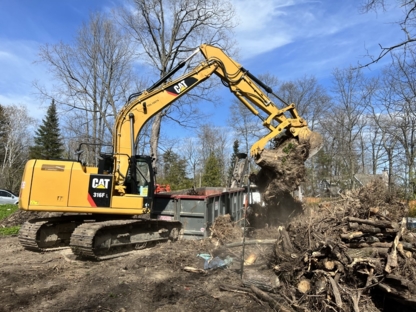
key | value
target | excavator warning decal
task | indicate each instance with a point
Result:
(181, 86)
(99, 190)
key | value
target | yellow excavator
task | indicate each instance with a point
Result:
(99, 202)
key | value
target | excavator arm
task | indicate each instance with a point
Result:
(244, 86)
(241, 83)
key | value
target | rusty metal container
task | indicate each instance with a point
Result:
(198, 212)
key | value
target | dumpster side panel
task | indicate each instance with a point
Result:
(164, 208)
(198, 212)
(192, 216)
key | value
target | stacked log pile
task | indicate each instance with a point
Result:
(340, 257)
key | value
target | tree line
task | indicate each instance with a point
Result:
(368, 123)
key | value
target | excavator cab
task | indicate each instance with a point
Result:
(105, 164)
(140, 176)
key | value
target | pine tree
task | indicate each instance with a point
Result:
(233, 160)
(174, 171)
(212, 172)
(48, 143)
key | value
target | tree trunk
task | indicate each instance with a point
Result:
(154, 139)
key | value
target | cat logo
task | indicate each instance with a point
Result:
(100, 183)
(180, 86)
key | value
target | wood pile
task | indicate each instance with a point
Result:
(346, 254)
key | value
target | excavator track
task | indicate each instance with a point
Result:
(48, 234)
(116, 238)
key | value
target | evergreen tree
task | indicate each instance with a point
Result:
(233, 160)
(174, 171)
(48, 143)
(212, 172)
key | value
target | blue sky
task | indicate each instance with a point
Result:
(287, 38)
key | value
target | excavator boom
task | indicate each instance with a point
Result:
(240, 82)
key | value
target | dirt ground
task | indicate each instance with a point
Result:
(350, 254)
(364, 275)
(152, 279)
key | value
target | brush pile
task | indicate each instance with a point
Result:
(353, 254)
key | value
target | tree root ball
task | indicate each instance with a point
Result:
(282, 171)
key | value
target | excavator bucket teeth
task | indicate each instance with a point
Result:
(313, 138)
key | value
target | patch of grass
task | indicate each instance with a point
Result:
(12, 230)
(7, 210)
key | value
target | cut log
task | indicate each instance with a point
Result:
(250, 259)
(392, 256)
(336, 293)
(304, 286)
(325, 264)
(194, 270)
(399, 280)
(265, 280)
(376, 223)
(374, 210)
(365, 228)
(329, 265)
(352, 235)
(252, 242)
(367, 252)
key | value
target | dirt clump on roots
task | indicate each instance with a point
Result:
(282, 171)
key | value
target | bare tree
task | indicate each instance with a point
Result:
(191, 153)
(398, 112)
(406, 24)
(214, 141)
(167, 31)
(345, 123)
(16, 146)
(93, 77)
(246, 126)
(310, 98)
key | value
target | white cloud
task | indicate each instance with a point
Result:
(265, 25)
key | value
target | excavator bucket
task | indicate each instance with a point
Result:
(313, 138)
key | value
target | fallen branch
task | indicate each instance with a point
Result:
(274, 304)
(392, 256)
(194, 270)
(235, 289)
(335, 291)
(376, 223)
(253, 242)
